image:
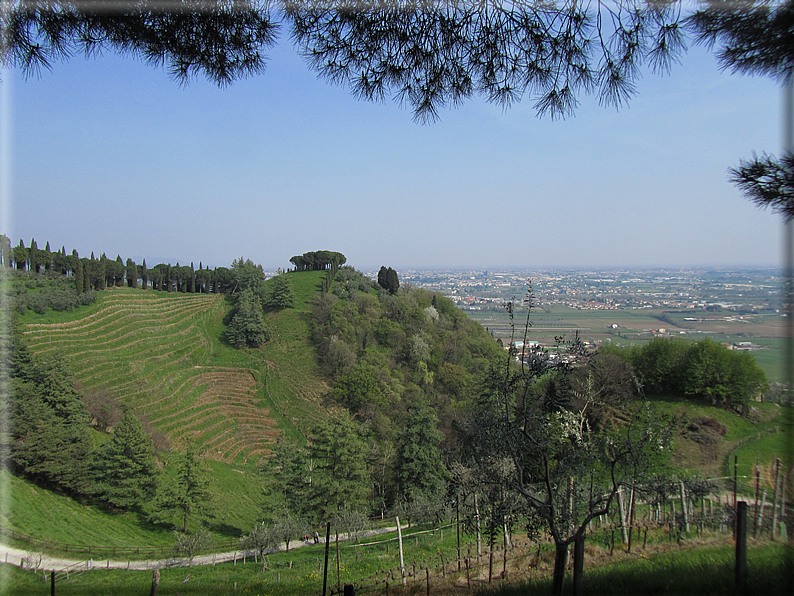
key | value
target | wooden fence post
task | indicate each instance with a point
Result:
(684, 508)
(622, 510)
(479, 533)
(338, 564)
(760, 514)
(775, 499)
(400, 543)
(741, 547)
(457, 529)
(325, 568)
(155, 582)
(735, 490)
(757, 490)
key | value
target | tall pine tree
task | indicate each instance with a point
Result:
(186, 499)
(124, 470)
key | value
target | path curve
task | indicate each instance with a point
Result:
(35, 560)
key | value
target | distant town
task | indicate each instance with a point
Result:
(737, 291)
(740, 308)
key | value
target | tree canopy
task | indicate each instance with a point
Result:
(318, 260)
(388, 279)
(703, 370)
(185, 499)
(428, 56)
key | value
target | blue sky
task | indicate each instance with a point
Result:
(111, 155)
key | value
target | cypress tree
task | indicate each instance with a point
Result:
(78, 277)
(20, 254)
(5, 250)
(144, 275)
(103, 272)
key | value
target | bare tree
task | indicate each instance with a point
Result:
(262, 539)
(191, 544)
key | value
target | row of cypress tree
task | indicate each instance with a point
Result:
(100, 273)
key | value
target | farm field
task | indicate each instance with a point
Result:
(633, 328)
(164, 355)
(154, 353)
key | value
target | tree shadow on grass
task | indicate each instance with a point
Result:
(226, 530)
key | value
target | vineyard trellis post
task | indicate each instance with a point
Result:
(741, 546)
(775, 499)
(400, 544)
(325, 567)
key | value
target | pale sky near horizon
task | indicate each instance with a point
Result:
(111, 155)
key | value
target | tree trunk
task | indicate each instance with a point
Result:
(560, 562)
(578, 566)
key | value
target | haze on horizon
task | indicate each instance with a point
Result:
(111, 155)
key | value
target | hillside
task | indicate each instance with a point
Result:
(164, 355)
(396, 361)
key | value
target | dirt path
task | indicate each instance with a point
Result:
(35, 560)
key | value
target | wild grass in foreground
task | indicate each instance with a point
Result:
(696, 570)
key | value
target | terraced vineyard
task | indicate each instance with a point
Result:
(152, 351)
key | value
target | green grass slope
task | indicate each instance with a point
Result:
(164, 355)
(756, 440)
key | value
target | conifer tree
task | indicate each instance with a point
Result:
(78, 277)
(340, 475)
(86, 275)
(46, 257)
(124, 470)
(132, 274)
(186, 499)
(417, 468)
(247, 328)
(20, 254)
(388, 280)
(144, 275)
(33, 257)
(5, 250)
(51, 440)
(280, 293)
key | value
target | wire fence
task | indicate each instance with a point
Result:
(485, 560)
